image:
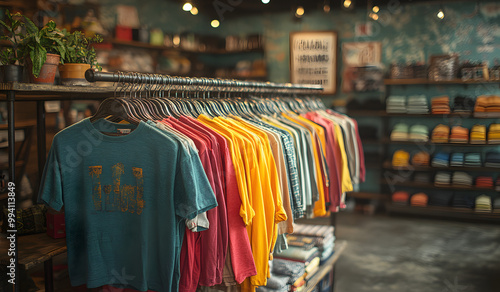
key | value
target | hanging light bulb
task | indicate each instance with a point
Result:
(347, 3)
(215, 23)
(265, 1)
(194, 11)
(374, 16)
(326, 8)
(440, 14)
(187, 6)
(299, 12)
(376, 9)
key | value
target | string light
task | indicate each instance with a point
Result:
(215, 23)
(266, 1)
(326, 8)
(194, 11)
(440, 14)
(347, 3)
(374, 16)
(299, 12)
(376, 9)
(187, 6)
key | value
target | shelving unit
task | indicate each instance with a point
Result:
(443, 212)
(388, 165)
(423, 81)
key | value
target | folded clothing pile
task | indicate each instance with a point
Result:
(295, 271)
(462, 179)
(457, 159)
(440, 105)
(472, 159)
(484, 182)
(496, 205)
(483, 203)
(419, 199)
(422, 177)
(421, 158)
(441, 199)
(463, 104)
(492, 159)
(401, 158)
(401, 197)
(396, 104)
(487, 106)
(322, 235)
(463, 200)
(276, 283)
(440, 134)
(494, 134)
(399, 132)
(441, 159)
(459, 135)
(442, 178)
(478, 134)
(417, 104)
(418, 133)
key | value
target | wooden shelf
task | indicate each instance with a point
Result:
(388, 165)
(387, 141)
(447, 212)
(19, 125)
(17, 4)
(368, 113)
(367, 196)
(35, 92)
(325, 268)
(423, 81)
(413, 184)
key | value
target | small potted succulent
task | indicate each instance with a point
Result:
(11, 68)
(43, 49)
(79, 57)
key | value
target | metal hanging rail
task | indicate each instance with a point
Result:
(158, 79)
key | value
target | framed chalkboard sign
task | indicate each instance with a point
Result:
(313, 59)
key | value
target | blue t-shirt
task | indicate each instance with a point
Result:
(125, 198)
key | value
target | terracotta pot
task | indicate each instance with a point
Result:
(11, 73)
(74, 74)
(48, 72)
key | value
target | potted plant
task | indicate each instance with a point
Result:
(80, 56)
(43, 49)
(11, 69)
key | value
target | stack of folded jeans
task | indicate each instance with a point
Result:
(293, 270)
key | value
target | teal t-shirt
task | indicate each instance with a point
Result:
(125, 199)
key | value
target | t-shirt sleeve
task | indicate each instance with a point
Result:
(51, 184)
(192, 191)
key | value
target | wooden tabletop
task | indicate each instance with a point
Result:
(33, 249)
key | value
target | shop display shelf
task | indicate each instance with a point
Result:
(446, 212)
(424, 81)
(388, 165)
(413, 184)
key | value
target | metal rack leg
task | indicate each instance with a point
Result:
(11, 97)
(41, 136)
(49, 275)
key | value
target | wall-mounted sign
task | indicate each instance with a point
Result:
(313, 59)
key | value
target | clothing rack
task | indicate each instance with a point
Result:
(209, 84)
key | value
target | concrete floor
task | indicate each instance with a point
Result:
(402, 254)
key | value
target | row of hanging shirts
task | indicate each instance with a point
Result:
(255, 165)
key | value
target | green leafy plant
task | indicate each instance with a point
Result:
(12, 24)
(79, 49)
(38, 42)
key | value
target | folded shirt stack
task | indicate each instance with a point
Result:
(462, 179)
(419, 199)
(459, 135)
(457, 159)
(441, 199)
(440, 134)
(442, 178)
(401, 158)
(418, 133)
(487, 106)
(401, 197)
(463, 200)
(322, 235)
(396, 104)
(400, 132)
(441, 159)
(417, 104)
(422, 177)
(478, 134)
(481, 104)
(484, 182)
(494, 134)
(440, 105)
(463, 104)
(492, 159)
(483, 204)
(298, 254)
(421, 158)
(276, 283)
(472, 160)
(292, 269)
(496, 205)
